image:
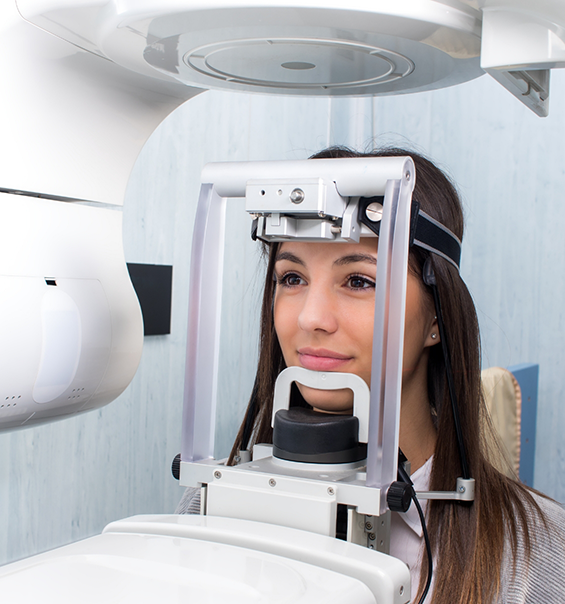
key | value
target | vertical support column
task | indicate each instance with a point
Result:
(203, 338)
(388, 338)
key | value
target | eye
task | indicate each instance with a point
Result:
(359, 282)
(290, 280)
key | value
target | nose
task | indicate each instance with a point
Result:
(318, 312)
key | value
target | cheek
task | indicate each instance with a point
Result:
(419, 318)
(359, 334)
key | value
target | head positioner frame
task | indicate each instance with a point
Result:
(333, 183)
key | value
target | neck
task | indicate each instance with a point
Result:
(417, 432)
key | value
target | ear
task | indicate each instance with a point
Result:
(433, 336)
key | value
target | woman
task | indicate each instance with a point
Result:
(509, 544)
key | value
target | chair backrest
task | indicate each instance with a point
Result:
(504, 403)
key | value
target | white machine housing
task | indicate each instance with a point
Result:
(89, 81)
(145, 559)
(70, 329)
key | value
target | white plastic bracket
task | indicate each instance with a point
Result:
(325, 381)
(464, 491)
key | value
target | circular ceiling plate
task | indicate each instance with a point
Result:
(298, 63)
(310, 48)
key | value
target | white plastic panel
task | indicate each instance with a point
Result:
(523, 34)
(308, 511)
(70, 323)
(61, 344)
(150, 567)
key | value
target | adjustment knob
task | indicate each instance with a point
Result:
(175, 467)
(399, 497)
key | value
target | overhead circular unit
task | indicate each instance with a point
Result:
(304, 48)
(318, 47)
(313, 65)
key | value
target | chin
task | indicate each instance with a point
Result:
(328, 401)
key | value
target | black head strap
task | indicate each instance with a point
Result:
(425, 231)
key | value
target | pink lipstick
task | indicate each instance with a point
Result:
(321, 359)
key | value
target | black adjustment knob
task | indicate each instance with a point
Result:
(399, 497)
(175, 468)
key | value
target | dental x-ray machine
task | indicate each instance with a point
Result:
(302, 481)
(86, 82)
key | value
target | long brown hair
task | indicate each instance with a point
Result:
(467, 540)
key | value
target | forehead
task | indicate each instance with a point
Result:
(328, 252)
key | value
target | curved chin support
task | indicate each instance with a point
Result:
(328, 380)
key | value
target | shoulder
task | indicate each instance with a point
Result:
(538, 577)
(553, 511)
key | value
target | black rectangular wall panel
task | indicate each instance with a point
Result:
(153, 285)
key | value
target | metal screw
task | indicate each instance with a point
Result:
(217, 474)
(461, 489)
(297, 196)
(407, 175)
(371, 546)
(331, 491)
(374, 211)
(272, 482)
(368, 526)
(371, 536)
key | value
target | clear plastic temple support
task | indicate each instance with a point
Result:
(388, 335)
(393, 177)
(203, 338)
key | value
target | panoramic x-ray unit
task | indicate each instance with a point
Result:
(86, 82)
(318, 463)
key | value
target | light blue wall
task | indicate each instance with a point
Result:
(65, 481)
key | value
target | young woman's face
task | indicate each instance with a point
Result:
(323, 313)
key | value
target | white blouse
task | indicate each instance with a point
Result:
(406, 535)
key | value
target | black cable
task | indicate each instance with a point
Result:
(404, 477)
(429, 278)
(428, 548)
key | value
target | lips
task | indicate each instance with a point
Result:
(321, 359)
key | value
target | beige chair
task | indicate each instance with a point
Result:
(504, 403)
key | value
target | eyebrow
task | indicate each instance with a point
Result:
(290, 257)
(342, 261)
(352, 258)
